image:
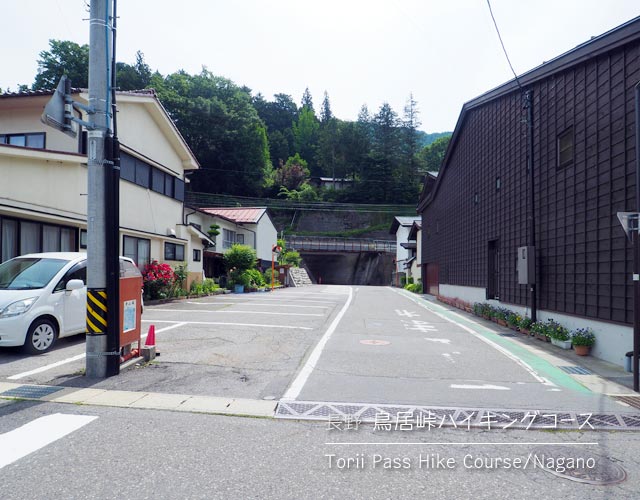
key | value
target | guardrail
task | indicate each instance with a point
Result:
(325, 244)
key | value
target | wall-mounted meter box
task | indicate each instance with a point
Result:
(526, 265)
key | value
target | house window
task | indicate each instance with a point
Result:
(228, 238)
(147, 176)
(476, 198)
(83, 238)
(173, 251)
(138, 249)
(498, 183)
(197, 255)
(8, 239)
(19, 237)
(34, 140)
(240, 239)
(565, 148)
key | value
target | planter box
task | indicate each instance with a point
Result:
(502, 322)
(525, 331)
(562, 344)
(238, 288)
(540, 336)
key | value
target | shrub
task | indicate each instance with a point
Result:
(240, 257)
(253, 278)
(157, 279)
(414, 287)
(196, 288)
(583, 336)
(501, 313)
(209, 286)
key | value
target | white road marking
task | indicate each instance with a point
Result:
(289, 299)
(499, 348)
(408, 314)
(448, 357)
(76, 358)
(237, 312)
(47, 367)
(441, 341)
(227, 324)
(294, 390)
(37, 434)
(484, 386)
(255, 304)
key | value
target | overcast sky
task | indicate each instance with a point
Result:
(445, 52)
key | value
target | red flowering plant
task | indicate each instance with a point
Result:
(158, 280)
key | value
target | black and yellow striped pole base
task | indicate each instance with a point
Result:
(96, 311)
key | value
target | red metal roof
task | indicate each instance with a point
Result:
(242, 215)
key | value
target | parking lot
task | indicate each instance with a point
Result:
(247, 346)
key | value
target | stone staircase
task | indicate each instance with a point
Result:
(298, 277)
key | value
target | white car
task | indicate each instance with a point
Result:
(44, 297)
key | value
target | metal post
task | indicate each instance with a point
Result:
(273, 270)
(99, 100)
(528, 96)
(636, 255)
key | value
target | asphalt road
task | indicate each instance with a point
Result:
(148, 454)
(328, 344)
(321, 343)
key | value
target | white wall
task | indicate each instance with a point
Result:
(613, 341)
(402, 254)
(267, 236)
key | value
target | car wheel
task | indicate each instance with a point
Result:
(41, 336)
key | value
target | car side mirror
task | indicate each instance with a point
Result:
(74, 285)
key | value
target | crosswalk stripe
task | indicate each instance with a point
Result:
(37, 434)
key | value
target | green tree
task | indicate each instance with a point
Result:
(133, 77)
(384, 156)
(305, 133)
(406, 180)
(431, 156)
(307, 100)
(292, 174)
(62, 58)
(224, 130)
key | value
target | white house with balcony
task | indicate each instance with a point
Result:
(43, 193)
(400, 227)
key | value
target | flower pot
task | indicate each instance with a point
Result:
(562, 344)
(502, 322)
(582, 350)
(238, 288)
(525, 331)
(541, 336)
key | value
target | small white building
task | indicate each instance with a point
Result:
(400, 227)
(251, 226)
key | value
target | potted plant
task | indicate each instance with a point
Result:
(525, 325)
(539, 330)
(500, 316)
(513, 320)
(559, 335)
(582, 340)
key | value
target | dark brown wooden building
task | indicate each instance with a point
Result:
(479, 212)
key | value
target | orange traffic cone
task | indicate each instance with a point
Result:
(151, 336)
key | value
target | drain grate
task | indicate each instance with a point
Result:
(31, 391)
(630, 400)
(463, 418)
(576, 370)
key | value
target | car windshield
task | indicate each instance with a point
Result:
(28, 273)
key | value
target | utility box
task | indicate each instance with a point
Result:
(130, 303)
(526, 265)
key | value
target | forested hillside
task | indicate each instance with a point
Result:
(252, 145)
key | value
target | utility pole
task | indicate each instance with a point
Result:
(103, 356)
(528, 100)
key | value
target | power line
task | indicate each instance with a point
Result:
(502, 43)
